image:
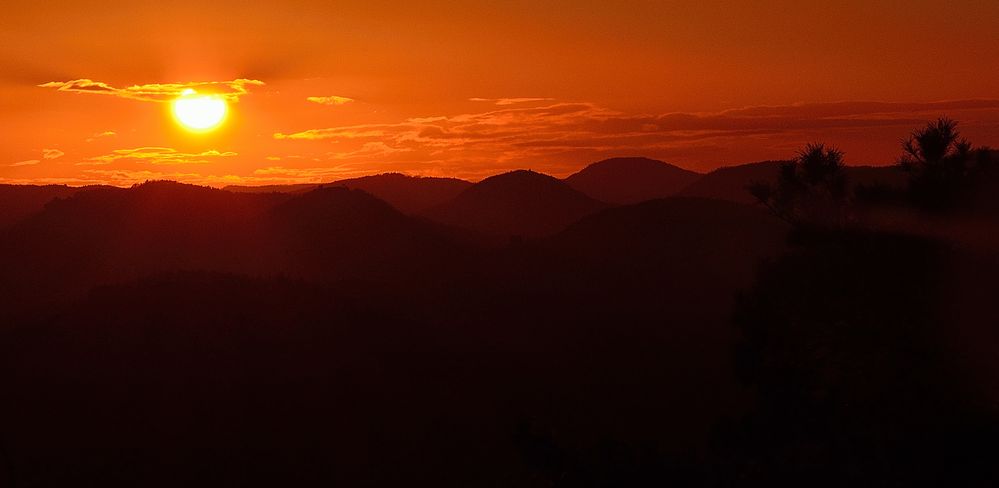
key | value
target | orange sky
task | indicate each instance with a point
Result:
(469, 89)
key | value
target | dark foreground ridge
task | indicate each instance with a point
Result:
(516, 332)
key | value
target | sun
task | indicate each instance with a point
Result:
(199, 113)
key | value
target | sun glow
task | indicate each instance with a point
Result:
(199, 113)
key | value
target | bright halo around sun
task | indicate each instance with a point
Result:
(199, 113)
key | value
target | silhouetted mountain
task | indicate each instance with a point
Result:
(111, 234)
(590, 335)
(729, 183)
(293, 188)
(570, 332)
(20, 201)
(334, 231)
(631, 180)
(409, 194)
(519, 203)
(693, 240)
(322, 337)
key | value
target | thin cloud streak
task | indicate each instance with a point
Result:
(155, 155)
(156, 92)
(509, 101)
(30, 162)
(330, 100)
(107, 133)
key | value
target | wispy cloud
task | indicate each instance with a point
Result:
(561, 136)
(52, 154)
(509, 101)
(107, 133)
(29, 162)
(155, 155)
(553, 137)
(47, 155)
(156, 92)
(369, 149)
(300, 175)
(330, 100)
(349, 132)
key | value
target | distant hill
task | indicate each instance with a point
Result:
(20, 201)
(729, 183)
(703, 242)
(518, 203)
(335, 231)
(109, 235)
(631, 180)
(409, 194)
(296, 188)
(642, 355)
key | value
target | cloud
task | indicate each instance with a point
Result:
(554, 137)
(369, 149)
(52, 154)
(156, 92)
(350, 132)
(155, 155)
(29, 162)
(47, 154)
(510, 101)
(562, 136)
(107, 133)
(304, 175)
(850, 109)
(330, 100)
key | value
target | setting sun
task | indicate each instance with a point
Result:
(199, 112)
(509, 243)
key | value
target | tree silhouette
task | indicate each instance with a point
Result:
(811, 190)
(939, 162)
(845, 341)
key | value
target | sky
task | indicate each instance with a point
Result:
(321, 90)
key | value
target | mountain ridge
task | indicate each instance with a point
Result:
(630, 180)
(517, 203)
